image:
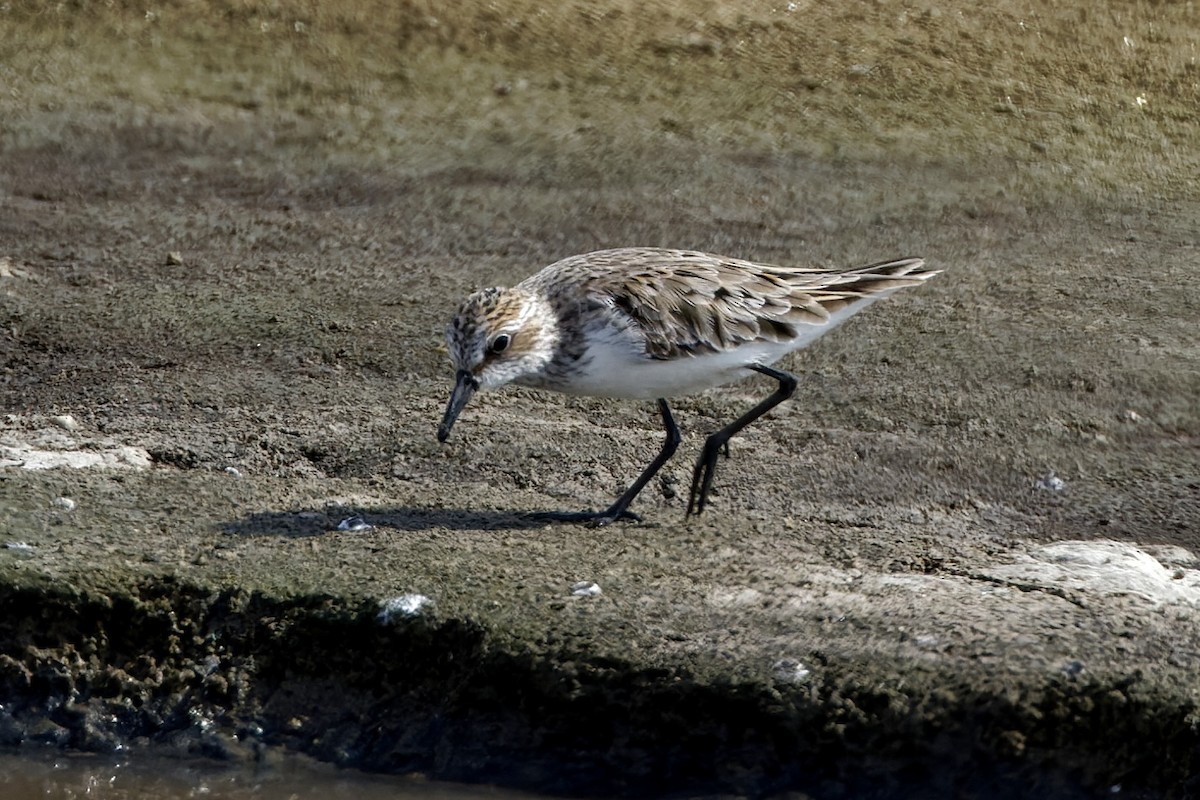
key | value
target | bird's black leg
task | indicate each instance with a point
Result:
(706, 465)
(618, 510)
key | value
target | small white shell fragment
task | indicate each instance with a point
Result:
(927, 641)
(789, 670)
(234, 471)
(18, 546)
(405, 606)
(66, 422)
(354, 524)
(1050, 482)
(585, 589)
(65, 503)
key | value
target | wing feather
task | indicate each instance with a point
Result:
(687, 303)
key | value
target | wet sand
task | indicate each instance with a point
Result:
(51, 773)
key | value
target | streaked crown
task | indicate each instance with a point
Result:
(500, 335)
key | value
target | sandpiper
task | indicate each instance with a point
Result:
(648, 323)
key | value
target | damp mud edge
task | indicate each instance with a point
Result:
(233, 674)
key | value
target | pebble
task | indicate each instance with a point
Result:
(65, 503)
(1050, 482)
(66, 422)
(404, 606)
(585, 589)
(790, 670)
(354, 524)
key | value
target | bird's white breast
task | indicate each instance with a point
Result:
(615, 374)
(615, 363)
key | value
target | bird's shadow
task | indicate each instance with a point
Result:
(342, 519)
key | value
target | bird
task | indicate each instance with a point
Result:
(647, 323)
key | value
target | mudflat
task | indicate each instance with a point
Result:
(961, 560)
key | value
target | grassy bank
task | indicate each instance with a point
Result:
(1101, 99)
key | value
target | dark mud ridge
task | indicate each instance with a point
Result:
(231, 674)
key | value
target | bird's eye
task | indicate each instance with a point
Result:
(500, 343)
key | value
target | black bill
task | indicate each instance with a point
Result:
(463, 389)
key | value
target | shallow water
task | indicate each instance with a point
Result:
(53, 773)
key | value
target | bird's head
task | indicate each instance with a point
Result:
(497, 336)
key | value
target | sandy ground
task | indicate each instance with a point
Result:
(962, 559)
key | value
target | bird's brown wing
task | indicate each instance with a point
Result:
(687, 303)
